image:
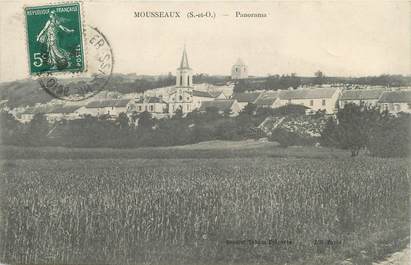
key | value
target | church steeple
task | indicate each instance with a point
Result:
(184, 76)
(184, 60)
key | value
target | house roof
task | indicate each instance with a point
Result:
(246, 97)
(313, 93)
(176, 89)
(35, 110)
(108, 103)
(265, 101)
(215, 94)
(361, 94)
(269, 94)
(47, 109)
(204, 94)
(63, 109)
(221, 105)
(399, 96)
(267, 98)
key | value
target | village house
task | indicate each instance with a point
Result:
(268, 99)
(230, 106)
(28, 114)
(155, 105)
(244, 99)
(226, 88)
(396, 101)
(51, 112)
(324, 99)
(60, 112)
(202, 96)
(369, 97)
(111, 107)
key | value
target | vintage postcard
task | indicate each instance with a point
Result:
(200, 132)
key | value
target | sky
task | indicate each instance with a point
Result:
(338, 38)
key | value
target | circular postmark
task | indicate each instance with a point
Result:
(82, 85)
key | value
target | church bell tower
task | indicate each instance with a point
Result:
(184, 76)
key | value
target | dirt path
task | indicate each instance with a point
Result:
(398, 258)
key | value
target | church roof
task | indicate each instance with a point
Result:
(239, 62)
(184, 61)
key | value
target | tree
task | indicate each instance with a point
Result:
(10, 133)
(178, 114)
(227, 129)
(123, 121)
(38, 129)
(212, 113)
(242, 85)
(134, 117)
(319, 78)
(354, 125)
(145, 120)
(391, 137)
(329, 135)
(249, 109)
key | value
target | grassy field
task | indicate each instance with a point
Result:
(204, 150)
(196, 205)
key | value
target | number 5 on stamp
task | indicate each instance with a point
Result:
(55, 38)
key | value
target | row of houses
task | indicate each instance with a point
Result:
(315, 99)
(187, 97)
(329, 99)
(392, 101)
(159, 106)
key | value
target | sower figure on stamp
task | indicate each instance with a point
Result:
(57, 57)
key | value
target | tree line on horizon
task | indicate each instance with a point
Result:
(281, 82)
(29, 92)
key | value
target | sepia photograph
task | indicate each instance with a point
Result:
(205, 132)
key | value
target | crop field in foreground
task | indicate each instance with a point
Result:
(200, 211)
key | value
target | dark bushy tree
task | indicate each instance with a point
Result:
(249, 109)
(353, 126)
(38, 129)
(359, 127)
(123, 121)
(145, 120)
(392, 137)
(10, 129)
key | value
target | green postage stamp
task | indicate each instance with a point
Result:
(54, 36)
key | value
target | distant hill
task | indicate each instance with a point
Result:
(23, 93)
